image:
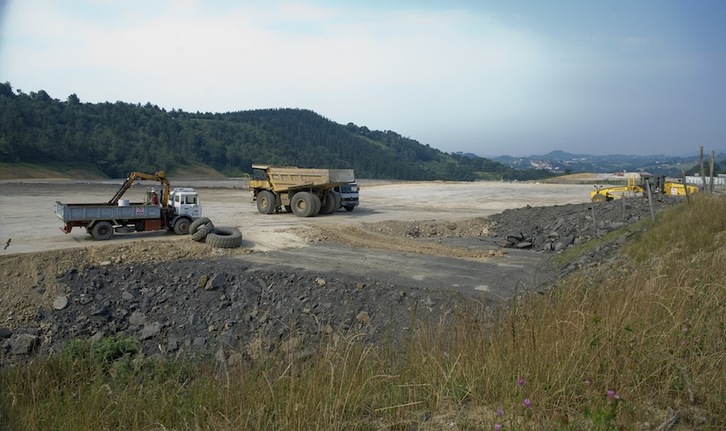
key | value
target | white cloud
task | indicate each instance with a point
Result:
(453, 78)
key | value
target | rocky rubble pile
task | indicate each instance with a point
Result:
(216, 306)
(554, 228)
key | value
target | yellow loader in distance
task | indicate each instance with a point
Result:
(658, 184)
(601, 193)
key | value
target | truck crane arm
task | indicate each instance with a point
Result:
(159, 176)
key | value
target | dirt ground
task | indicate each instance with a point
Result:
(379, 239)
(28, 219)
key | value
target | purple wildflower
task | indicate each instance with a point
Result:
(527, 403)
(612, 395)
(497, 427)
(500, 412)
(521, 381)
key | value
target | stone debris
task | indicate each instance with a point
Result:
(239, 311)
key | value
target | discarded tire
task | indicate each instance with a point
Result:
(224, 237)
(200, 228)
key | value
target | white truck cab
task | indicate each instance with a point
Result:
(186, 202)
(348, 196)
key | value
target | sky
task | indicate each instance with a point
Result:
(491, 78)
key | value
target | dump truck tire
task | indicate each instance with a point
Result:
(599, 197)
(224, 237)
(303, 204)
(102, 230)
(200, 228)
(181, 226)
(329, 203)
(266, 202)
(317, 203)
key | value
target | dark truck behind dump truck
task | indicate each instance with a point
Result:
(348, 196)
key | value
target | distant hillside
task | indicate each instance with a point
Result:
(563, 162)
(118, 138)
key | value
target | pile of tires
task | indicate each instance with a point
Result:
(203, 230)
(200, 228)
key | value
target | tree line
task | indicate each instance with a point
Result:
(120, 137)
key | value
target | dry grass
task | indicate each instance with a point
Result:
(49, 171)
(196, 171)
(86, 171)
(629, 347)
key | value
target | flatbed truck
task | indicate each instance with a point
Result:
(174, 211)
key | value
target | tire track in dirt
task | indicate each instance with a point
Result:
(364, 238)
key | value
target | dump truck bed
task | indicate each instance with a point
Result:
(285, 178)
(88, 212)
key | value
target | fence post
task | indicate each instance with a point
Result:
(712, 161)
(703, 170)
(650, 200)
(685, 187)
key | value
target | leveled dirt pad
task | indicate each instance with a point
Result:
(371, 272)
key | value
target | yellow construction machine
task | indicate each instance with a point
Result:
(679, 189)
(657, 184)
(602, 193)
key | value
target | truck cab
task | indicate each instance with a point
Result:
(348, 195)
(185, 202)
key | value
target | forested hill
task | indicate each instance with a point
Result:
(119, 138)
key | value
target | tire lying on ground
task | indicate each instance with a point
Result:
(200, 228)
(224, 237)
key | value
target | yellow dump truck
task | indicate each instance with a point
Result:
(304, 192)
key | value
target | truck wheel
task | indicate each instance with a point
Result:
(224, 237)
(266, 202)
(329, 203)
(317, 203)
(200, 228)
(303, 204)
(599, 197)
(181, 226)
(102, 230)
